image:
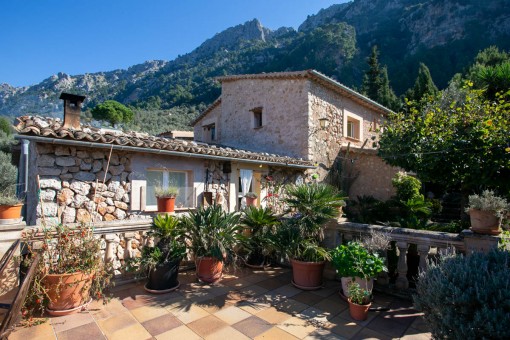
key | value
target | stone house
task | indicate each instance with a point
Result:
(303, 115)
(95, 174)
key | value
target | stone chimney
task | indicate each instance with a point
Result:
(72, 110)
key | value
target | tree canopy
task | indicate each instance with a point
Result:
(376, 84)
(112, 112)
(423, 86)
(456, 140)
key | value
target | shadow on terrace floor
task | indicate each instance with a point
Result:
(245, 304)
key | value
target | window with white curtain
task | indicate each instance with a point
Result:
(167, 178)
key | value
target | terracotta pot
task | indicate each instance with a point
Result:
(10, 212)
(67, 291)
(209, 269)
(251, 201)
(166, 204)
(484, 222)
(359, 312)
(307, 275)
(364, 284)
(164, 276)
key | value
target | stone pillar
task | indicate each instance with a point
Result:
(402, 282)
(423, 251)
(478, 242)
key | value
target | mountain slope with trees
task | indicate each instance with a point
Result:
(444, 35)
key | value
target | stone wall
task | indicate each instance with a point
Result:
(367, 172)
(72, 188)
(284, 105)
(373, 176)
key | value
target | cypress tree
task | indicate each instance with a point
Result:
(423, 86)
(372, 79)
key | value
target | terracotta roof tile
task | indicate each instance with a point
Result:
(52, 128)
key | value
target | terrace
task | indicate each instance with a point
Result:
(245, 304)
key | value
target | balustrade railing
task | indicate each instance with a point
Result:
(424, 244)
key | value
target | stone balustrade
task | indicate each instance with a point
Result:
(424, 243)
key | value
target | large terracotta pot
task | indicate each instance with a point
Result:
(359, 312)
(164, 276)
(10, 212)
(307, 275)
(166, 204)
(209, 269)
(67, 292)
(364, 284)
(484, 222)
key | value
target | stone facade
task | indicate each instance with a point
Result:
(284, 106)
(77, 185)
(293, 105)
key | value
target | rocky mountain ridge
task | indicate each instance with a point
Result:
(444, 34)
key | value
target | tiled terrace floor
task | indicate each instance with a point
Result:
(246, 304)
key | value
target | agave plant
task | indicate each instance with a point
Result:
(213, 232)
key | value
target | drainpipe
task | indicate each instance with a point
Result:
(24, 159)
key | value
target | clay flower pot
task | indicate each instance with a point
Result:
(307, 275)
(67, 292)
(251, 201)
(166, 204)
(209, 269)
(10, 212)
(484, 222)
(358, 312)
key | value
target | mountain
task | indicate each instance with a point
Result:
(444, 34)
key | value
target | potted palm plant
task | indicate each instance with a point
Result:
(354, 263)
(299, 237)
(213, 236)
(359, 301)
(486, 212)
(161, 262)
(260, 223)
(71, 272)
(166, 198)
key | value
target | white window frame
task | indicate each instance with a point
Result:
(166, 179)
(350, 121)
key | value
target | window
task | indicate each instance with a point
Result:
(165, 179)
(257, 117)
(210, 132)
(353, 126)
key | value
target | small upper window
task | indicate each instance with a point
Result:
(353, 125)
(210, 132)
(257, 117)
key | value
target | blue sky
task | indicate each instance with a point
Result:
(39, 38)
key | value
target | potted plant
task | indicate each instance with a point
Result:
(359, 301)
(354, 263)
(213, 236)
(299, 237)
(166, 198)
(486, 212)
(251, 199)
(260, 223)
(161, 262)
(71, 272)
(10, 206)
(10, 203)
